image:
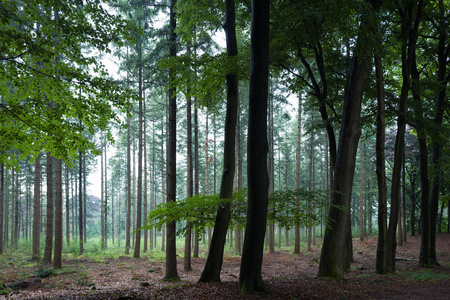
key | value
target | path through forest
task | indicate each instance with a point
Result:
(287, 276)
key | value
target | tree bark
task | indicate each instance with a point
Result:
(381, 168)
(128, 217)
(171, 255)
(297, 176)
(36, 208)
(250, 277)
(2, 193)
(137, 246)
(443, 50)
(58, 216)
(49, 228)
(213, 266)
(80, 201)
(336, 255)
(189, 180)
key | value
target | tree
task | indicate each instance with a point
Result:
(49, 227)
(213, 266)
(250, 277)
(171, 255)
(30, 64)
(380, 166)
(80, 202)
(334, 257)
(2, 192)
(189, 178)
(409, 34)
(442, 80)
(137, 248)
(58, 215)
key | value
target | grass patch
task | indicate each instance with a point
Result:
(424, 275)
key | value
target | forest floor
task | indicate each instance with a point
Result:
(287, 276)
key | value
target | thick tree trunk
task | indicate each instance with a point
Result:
(335, 255)
(213, 266)
(443, 51)
(2, 193)
(171, 254)
(49, 228)
(58, 216)
(36, 208)
(250, 277)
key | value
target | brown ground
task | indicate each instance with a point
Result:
(287, 276)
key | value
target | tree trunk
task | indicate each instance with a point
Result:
(80, 201)
(336, 255)
(239, 179)
(380, 168)
(36, 208)
(137, 246)
(128, 218)
(271, 154)
(409, 38)
(145, 231)
(67, 206)
(102, 199)
(437, 147)
(49, 228)
(13, 208)
(189, 179)
(213, 266)
(105, 212)
(171, 255)
(297, 176)
(196, 174)
(361, 193)
(58, 216)
(250, 277)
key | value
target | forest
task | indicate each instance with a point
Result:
(284, 149)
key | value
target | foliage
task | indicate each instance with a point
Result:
(286, 208)
(49, 81)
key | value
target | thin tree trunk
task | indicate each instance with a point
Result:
(297, 176)
(213, 266)
(106, 197)
(409, 38)
(102, 199)
(361, 193)
(58, 215)
(189, 179)
(128, 217)
(196, 178)
(381, 169)
(49, 228)
(67, 207)
(13, 208)
(80, 201)
(36, 208)
(145, 231)
(137, 247)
